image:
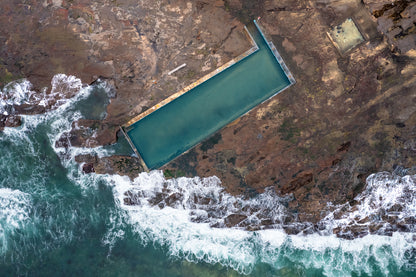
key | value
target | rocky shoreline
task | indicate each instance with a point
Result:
(348, 115)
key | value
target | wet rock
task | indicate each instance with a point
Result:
(13, 121)
(234, 219)
(351, 232)
(88, 133)
(131, 198)
(410, 220)
(2, 121)
(121, 165)
(10, 121)
(158, 199)
(174, 199)
(64, 141)
(292, 230)
(127, 201)
(201, 217)
(266, 222)
(87, 158)
(374, 228)
(201, 200)
(29, 109)
(88, 168)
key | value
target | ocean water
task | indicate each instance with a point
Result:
(57, 221)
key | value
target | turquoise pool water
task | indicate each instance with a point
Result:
(175, 128)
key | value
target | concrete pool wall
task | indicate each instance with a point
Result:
(191, 115)
(254, 48)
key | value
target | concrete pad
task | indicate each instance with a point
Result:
(345, 36)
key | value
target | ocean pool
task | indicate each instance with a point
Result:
(181, 124)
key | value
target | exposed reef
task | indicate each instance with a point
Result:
(347, 116)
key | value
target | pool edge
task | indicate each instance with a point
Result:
(252, 50)
(276, 54)
(142, 162)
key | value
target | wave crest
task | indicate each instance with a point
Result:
(387, 205)
(15, 207)
(180, 214)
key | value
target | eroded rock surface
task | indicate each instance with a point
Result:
(88, 133)
(397, 20)
(132, 44)
(346, 117)
(121, 165)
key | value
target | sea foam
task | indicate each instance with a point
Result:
(387, 204)
(15, 207)
(186, 221)
(173, 227)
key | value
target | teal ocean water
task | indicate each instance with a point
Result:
(57, 221)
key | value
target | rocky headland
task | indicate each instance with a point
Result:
(349, 115)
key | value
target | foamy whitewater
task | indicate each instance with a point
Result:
(242, 250)
(54, 216)
(14, 213)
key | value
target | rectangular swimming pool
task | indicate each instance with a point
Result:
(181, 124)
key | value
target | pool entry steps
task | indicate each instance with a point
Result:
(181, 121)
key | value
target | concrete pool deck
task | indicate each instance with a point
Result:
(144, 133)
(220, 69)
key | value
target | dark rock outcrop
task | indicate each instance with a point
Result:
(88, 133)
(346, 117)
(121, 165)
(10, 121)
(397, 20)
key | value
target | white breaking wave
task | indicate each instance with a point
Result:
(21, 92)
(174, 227)
(18, 92)
(182, 214)
(389, 193)
(387, 204)
(15, 207)
(15, 93)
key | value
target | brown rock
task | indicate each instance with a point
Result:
(131, 198)
(301, 180)
(351, 232)
(88, 168)
(344, 147)
(87, 158)
(173, 199)
(121, 165)
(234, 219)
(89, 133)
(29, 109)
(13, 121)
(2, 121)
(395, 19)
